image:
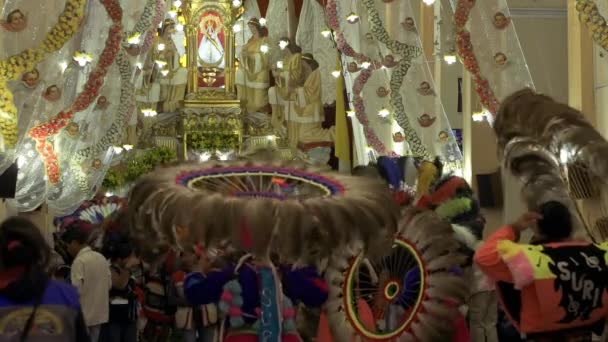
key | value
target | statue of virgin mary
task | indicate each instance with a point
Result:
(211, 50)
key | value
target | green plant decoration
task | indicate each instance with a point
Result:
(208, 140)
(138, 166)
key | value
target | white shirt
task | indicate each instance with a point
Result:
(92, 277)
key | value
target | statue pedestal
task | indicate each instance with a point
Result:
(212, 125)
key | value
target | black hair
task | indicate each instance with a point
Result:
(22, 245)
(310, 60)
(556, 222)
(117, 246)
(75, 231)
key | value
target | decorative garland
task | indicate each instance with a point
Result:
(590, 15)
(151, 34)
(360, 80)
(407, 53)
(142, 26)
(43, 132)
(112, 136)
(468, 58)
(145, 24)
(13, 67)
(138, 166)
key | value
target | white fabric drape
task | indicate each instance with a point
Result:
(308, 36)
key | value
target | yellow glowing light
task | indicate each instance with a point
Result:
(134, 39)
(352, 18)
(383, 113)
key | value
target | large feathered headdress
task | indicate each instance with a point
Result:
(287, 207)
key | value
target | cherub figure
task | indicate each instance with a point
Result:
(426, 120)
(102, 103)
(389, 61)
(15, 21)
(52, 93)
(500, 59)
(425, 89)
(409, 24)
(501, 21)
(31, 78)
(382, 92)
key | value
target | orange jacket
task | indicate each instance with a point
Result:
(536, 308)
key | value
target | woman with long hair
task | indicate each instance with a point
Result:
(32, 306)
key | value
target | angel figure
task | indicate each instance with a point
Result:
(102, 103)
(443, 137)
(72, 129)
(409, 24)
(15, 21)
(426, 120)
(382, 92)
(501, 20)
(31, 79)
(425, 89)
(352, 67)
(500, 59)
(52, 93)
(389, 61)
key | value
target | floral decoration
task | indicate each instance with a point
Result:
(590, 16)
(468, 58)
(141, 27)
(396, 101)
(407, 53)
(360, 80)
(151, 34)
(43, 132)
(14, 66)
(113, 134)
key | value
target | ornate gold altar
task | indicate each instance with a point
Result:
(211, 113)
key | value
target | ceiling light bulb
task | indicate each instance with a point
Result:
(82, 58)
(326, 33)
(237, 28)
(177, 3)
(236, 3)
(134, 39)
(118, 150)
(127, 147)
(350, 113)
(161, 47)
(336, 73)
(428, 2)
(449, 59)
(283, 44)
(165, 72)
(172, 13)
(366, 65)
(264, 48)
(279, 64)
(179, 27)
(352, 18)
(383, 113)
(262, 21)
(160, 64)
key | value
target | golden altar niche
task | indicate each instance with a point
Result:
(211, 113)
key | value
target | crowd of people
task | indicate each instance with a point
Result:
(91, 285)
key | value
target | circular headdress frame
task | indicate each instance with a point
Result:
(285, 207)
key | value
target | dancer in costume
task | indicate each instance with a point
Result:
(257, 300)
(553, 289)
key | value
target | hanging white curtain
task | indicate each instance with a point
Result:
(309, 37)
(277, 17)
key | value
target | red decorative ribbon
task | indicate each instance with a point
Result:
(85, 98)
